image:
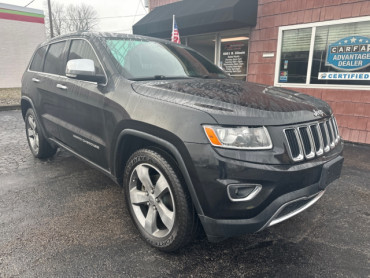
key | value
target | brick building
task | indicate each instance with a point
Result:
(21, 30)
(318, 47)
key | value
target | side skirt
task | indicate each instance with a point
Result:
(96, 166)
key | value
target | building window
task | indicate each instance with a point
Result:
(324, 54)
(295, 52)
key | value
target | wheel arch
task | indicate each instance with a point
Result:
(26, 103)
(130, 140)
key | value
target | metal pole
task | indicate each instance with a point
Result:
(50, 20)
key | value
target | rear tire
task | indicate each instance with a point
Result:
(157, 200)
(38, 144)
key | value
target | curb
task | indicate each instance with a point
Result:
(356, 144)
(10, 107)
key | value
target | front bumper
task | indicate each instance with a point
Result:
(286, 191)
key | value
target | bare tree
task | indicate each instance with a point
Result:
(58, 18)
(57, 14)
(81, 17)
(72, 18)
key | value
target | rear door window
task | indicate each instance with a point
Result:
(81, 49)
(54, 59)
(38, 59)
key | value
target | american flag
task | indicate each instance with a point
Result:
(175, 32)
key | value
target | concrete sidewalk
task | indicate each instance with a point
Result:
(10, 99)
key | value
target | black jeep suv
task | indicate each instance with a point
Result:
(188, 144)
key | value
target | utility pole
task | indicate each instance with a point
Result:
(50, 20)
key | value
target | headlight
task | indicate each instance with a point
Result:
(249, 138)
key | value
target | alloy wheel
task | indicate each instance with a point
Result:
(32, 133)
(152, 200)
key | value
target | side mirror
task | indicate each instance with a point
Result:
(83, 69)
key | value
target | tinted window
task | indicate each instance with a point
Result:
(53, 61)
(38, 59)
(81, 49)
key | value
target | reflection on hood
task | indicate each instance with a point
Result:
(246, 94)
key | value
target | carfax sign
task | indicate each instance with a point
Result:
(350, 53)
(347, 55)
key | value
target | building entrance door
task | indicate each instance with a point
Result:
(234, 56)
(228, 50)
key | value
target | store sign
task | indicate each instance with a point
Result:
(234, 57)
(349, 54)
(344, 75)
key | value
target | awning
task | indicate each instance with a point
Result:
(197, 17)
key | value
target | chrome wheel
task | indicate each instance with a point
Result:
(32, 134)
(152, 200)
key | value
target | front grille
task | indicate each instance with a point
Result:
(312, 139)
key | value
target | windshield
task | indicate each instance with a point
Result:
(148, 60)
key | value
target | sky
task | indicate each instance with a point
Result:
(114, 15)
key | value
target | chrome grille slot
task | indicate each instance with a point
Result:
(294, 142)
(331, 134)
(313, 139)
(316, 135)
(325, 136)
(333, 127)
(307, 141)
(336, 130)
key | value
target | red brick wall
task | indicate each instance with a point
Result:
(156, 3)
(351, 107)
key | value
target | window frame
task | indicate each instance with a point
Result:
(65, 57)
(42, 59)
(313, 25)
(96, 55)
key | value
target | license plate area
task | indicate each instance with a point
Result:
(330, 172)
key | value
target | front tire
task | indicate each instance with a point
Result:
(157, 200)
(38, 144)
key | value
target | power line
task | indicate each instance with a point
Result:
(29, 3)
(137, 9)
(141, 2)
(104, 17)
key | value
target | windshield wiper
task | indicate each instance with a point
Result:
(208, 76)
(158, 77)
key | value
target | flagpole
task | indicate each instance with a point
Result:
(173, 26)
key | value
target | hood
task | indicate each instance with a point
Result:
(236, 102)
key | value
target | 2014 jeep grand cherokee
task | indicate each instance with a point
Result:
(189, 144)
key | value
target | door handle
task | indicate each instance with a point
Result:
(60, 86)
(36, 80)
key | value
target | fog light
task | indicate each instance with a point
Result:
(243, 192)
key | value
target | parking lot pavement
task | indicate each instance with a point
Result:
(59, 217)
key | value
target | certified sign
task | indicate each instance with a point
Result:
(349, 54)
(344, 75)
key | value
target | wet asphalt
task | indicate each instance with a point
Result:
(61, 218)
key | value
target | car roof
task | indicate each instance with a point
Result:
(100, 35)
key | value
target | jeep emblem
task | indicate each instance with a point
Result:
(318, 113)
